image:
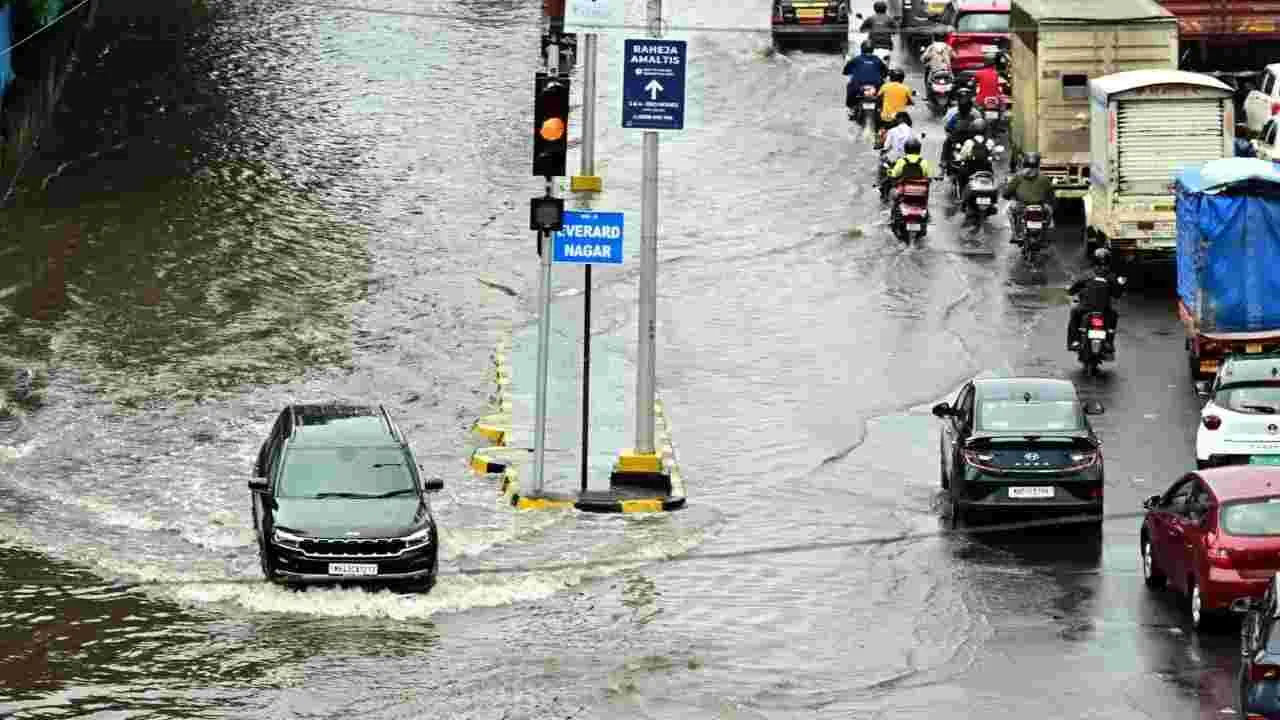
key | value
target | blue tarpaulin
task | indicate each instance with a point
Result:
(6, 41)
(1229, 244)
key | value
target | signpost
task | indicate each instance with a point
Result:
(653, 84)
(587, 238)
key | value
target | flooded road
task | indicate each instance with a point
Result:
(251, 204)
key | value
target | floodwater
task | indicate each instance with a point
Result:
(247, 204)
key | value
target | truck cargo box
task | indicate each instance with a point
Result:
(1228, 256)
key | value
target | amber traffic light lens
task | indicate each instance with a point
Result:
(552, 129)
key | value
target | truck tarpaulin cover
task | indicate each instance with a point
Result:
(1229, 244)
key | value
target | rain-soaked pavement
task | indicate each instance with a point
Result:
(293, 202)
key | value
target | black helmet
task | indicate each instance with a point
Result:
(1101, 256)
(912, 147)
(866, 47)
(1031, 161)
(978, 126)
(897, 75)
(880, 7)
(903, 118)
(964, 96)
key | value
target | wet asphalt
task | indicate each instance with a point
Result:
(307, 206)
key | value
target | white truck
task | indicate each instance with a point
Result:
(1145, 126)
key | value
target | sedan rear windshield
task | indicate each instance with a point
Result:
(983, 23)
(1256, 399)
(1022, 416)
(310, 472)
(1255, 517)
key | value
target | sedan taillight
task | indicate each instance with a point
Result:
(1083, 459)
(1211, 422)
(979, 459)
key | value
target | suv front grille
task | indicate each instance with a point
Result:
(348, 547)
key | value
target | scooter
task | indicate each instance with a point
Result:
(911, 211)
(979, 198)
(941, 83)
(994, 112)
(868, 111)
(1097, 343)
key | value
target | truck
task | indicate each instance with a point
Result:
(1144, 127)
(1228, 260)
(1058, 46)
(825, 21)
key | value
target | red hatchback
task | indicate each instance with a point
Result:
(1214, 535)
(976, 28)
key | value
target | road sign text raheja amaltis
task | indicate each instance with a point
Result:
(654, 74)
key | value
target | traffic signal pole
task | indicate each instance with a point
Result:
(552, 62)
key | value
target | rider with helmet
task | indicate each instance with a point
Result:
(895, 96)
(975, 154)
(987, 80)
(863, 70)
(880, 28)
(910, 167)
(1029, 187)
(937, 56)
(1096, 293)
(958, 121)
(895, 147)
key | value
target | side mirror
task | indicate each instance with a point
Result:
(1151, 502)
(435, 485)
(259, 485)
(857, 16)
(942, 410)
(1244, 605)
(1093, 407)
(1202, 389)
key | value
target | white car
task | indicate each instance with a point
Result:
(1240, 423)
(1266, 142)
(1261, 103)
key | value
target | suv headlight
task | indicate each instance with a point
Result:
(419, 538)
(285, 539)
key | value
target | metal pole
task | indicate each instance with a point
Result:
(646, 374)
(544, 331)
(589, 105)
(586, 372)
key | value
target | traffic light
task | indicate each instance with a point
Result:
(550, 125)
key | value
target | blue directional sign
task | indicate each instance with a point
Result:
(653, 84)
(588, 237)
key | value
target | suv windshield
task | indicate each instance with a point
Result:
(1255, 517)
(1259, 398)
(1020, 415)
(983, 23)
(357, 471)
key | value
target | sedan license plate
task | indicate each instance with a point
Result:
(1253, 347)
(353, 569)
(984, 201)
(1034, 224)
(1264, 459)
(1031, 492)
(1097, 334)
(913, 226)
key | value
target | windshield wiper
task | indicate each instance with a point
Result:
(1268, 409)
(342, 495)
(394, 493)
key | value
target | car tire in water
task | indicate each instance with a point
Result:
(1151, 574)
(267, 565)
(1200, 619)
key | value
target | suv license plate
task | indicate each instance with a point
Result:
(1097, 334)
(1031, 492)
(353, 569)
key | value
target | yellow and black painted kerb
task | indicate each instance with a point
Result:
(658, 472)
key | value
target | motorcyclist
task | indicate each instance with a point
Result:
(863, 70)
(1096, 293)
(987, 80)
(937, 56)
(880, 28)
(957, 122)
(1243, 146)
(895, 96)
(895, 144)
(975, 154)
(1029, 187)
(911, 166)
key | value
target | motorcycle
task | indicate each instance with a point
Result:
(1031, 232)
(911, 211)
(1097, 343)
(941, 84)
(979, 196)
(993, 110)
(868, 110)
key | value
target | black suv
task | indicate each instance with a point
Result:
(1258, 687)
(1020, 443)
(337, 497)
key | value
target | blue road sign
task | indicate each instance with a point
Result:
(588, 238)
(653, 84)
